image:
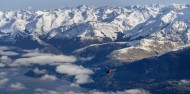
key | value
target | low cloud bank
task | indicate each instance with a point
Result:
(32, 53)
(8, 53)
(4, 51)
(59, 91)
(43, 60)
(30, 57)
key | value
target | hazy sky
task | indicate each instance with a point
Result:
(52, 4)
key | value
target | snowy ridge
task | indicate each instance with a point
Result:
(167, 31)
(45, 21)
(88, 29)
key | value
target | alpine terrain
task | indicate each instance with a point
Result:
(146, 49)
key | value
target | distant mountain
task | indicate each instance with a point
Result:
(147, 30)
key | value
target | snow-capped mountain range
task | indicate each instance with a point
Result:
(147, 30)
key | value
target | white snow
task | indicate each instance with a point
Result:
(76, 22)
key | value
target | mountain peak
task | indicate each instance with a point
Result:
(107, 21)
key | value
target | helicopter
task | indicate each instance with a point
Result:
(110, 71)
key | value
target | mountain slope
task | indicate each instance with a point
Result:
(150, 30)
(160, 74)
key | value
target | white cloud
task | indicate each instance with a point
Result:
(57, 91)
(34, 53)
(30, 51)
(81, 74)
(4, 52)
(74, 85)
(60, 91)
(43, 60)
(30, 57)
(8, 53)
(82, 79)
(5, 59)
(184, 81)
(49, 77)
(37, 71)
(44, 91)
(130, 91)
(134, 91)
(72, 69)
(17, 86)
(86, 59)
